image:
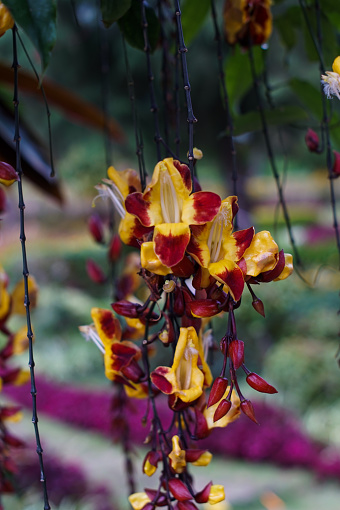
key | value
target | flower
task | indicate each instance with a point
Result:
(331, 80)
(263, 262)
(232, 415)
(168, 205)
(7, 173)
(138, 500)
(218, 250)
(247, 22)
(177, 456)
(184, 380)
(6, 20)
(117, 188)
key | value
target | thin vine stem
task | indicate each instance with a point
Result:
(271, 157)
(31, 362)
(225, 99)
(191, 119)
(151, 78)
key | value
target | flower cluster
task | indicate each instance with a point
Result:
(194, 266)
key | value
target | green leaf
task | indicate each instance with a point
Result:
(309, 95)
(131, 26)
(283, 115)
(193, 16)
(113, 10)
(38, 19)
(238, 73)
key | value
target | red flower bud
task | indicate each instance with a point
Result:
(312, 141)
(204, 308)
(259, 384)
(179, 306)
(217, 390)
(12, 440)
(203, 495)
(7, 174)
(126, 308)
(95, 226)
(179, 490)
(95, 272)
(115, 248)
(236, 352)
(258, 306)
(201, 426)
(161, 499)
(222, 410)
(336, 165)
(248, 410)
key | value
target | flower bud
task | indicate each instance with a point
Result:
(258, 306)
(179, 490)
(236, 353)
(259, 384)
(7, 174)
(201, 427)
(222, 409)
(169, 286)
(95, 226)
(336, 165)
(217, 390)
(248, 410)
(95, 272)
(204, 308)
(312, 140)
(115, 248)
(126, 308)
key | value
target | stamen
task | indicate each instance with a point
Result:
(111, 191)
(90, 333)
(169, 202)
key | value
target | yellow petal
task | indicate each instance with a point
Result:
(231, 416)
(6, 20)
(138, 500)
(177, 456)
(149, 469)
(261, 254)
(336, 65)
(150, 261)
(203, 460)
(138, 391)
(216, 494)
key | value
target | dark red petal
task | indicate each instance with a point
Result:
(185, 173)
(183, 269)
(248, 410)
(95, 226)
(115, 248)
(179, 490)
(203, 495)
(206, 205)
(217, 390)
(336, 164)
(204, 307)
(259, 384)
(192, 455)
(170, 249)
(222, 409)
(125, 308)
(161, 499)
(243, 239)
(158, 379)
(136, 205)
(236, 352)
(7, 172)
(186, 505)
(269, 276)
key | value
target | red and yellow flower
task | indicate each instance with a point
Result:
(218, 250)
(168, 205)
(247, 22)
(184, 379)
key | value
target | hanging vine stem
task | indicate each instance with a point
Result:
(153, 102)
(191, 117)
(271, 157)
(48, 113)
(31, 362)
(104, 51)
(177, 104)
(165, 70)
(138, 134)
(225, 99)
(325, 130)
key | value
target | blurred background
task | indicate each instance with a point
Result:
(292, 460)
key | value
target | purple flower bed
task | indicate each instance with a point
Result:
(279, 438)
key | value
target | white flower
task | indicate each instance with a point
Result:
(331, 80)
